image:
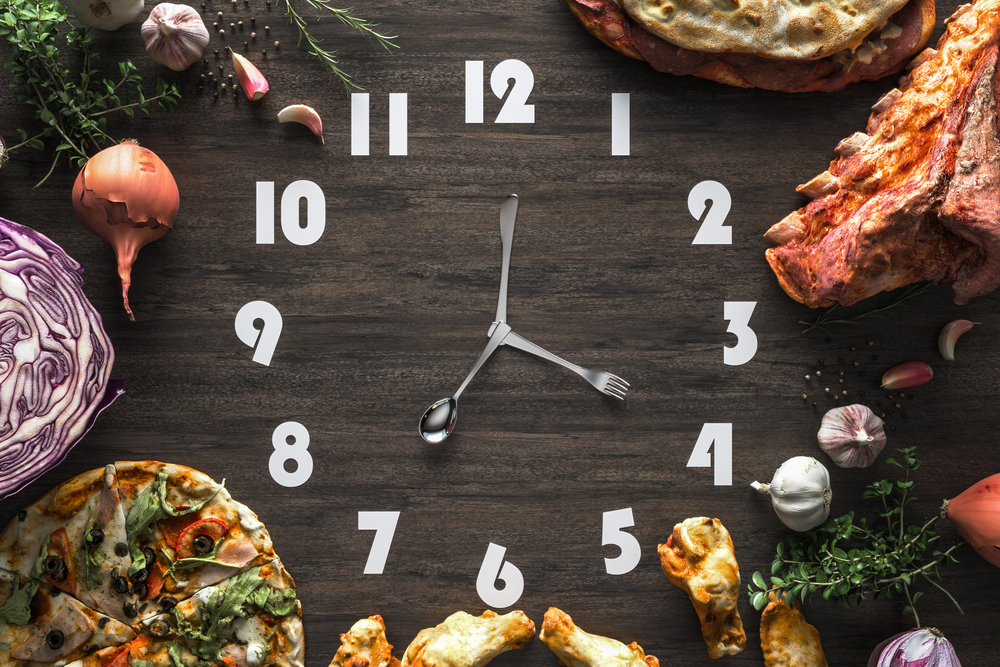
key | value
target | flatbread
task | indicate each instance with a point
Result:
(781, 29)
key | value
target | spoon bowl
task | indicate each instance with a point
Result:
(439, 420)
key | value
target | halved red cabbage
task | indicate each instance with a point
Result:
(55, 358)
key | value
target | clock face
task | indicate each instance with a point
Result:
(313, 299)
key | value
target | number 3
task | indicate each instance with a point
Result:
(738, 313)
(296, 451)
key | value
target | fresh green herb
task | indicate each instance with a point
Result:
(825, 319)
(149, 507)
(329, 58)
(143, 663)
(195, 561)
(4, 647)
(277, 602)
(890, 560)
(94, 558)
(17, 609)
(218, 613)
(72, 112)
(176, 653)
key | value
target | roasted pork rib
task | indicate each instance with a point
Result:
(917, 196)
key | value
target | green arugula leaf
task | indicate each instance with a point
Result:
(17, 609)
(218, 613)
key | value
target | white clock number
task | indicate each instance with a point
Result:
(297, 450)
(291, 226)
(620, 124)
(717, 437)
(265, 339)
(712, 231)
(738, 314)
(612, 533)
(514, 110)
(384, 525)
(491, 571)
(360, 119)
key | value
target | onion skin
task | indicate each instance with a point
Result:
(923, 647)
(975, 513)
(128, 197)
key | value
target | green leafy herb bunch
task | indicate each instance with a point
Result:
(847, 558)
(72, 109)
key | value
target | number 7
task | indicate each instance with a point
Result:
(384, 525)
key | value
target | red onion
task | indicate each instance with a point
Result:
(925, 647)
(55, 358)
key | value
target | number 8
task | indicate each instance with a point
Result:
(297, 451)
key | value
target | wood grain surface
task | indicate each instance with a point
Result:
(387, 311)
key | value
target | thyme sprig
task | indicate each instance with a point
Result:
(892, 301)
(73, 111)
(346, 16)
(891, 559)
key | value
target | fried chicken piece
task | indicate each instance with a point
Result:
(698, 558)
(786, 639)
(576, 648)
(365, 645)
(917, 195)
(464, 640)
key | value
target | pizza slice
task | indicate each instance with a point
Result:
(248, 620)
(42, 624)
(185, 532)
(78, 532)
(365, 645)
(575, 648)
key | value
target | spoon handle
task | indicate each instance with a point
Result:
(499, 334)
(508, 213)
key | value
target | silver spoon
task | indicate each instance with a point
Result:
(439, 419)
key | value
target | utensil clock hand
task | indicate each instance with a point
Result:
(508, 214)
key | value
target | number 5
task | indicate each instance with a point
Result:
(612, 533)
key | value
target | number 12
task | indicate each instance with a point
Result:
(514, 110)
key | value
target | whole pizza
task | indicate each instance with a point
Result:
(144, 564)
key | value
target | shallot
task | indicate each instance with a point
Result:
(128, 197)
(975, 514)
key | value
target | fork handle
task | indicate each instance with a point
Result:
(526, 345)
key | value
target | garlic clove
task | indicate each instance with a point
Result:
(852, 436)
(251, 80)
(300, 113)
(951, 333)
(910, 374)
(175, 36)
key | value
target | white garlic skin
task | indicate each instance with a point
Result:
(800, 493)
(852, 436)
(175, 35)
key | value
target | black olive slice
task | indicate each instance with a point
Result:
(90, 649)
(202, 544)
(139, 576)
(104, 621)
(121, 549)
(140, 590)
(168, 603)
(95, 536)
(120, 584)
(54, 640)
(130, 610)
(54, 568)
(150, 557)
(160, 628)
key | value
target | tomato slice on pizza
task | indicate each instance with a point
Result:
(78, 529)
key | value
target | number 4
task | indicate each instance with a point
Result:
(721, 435)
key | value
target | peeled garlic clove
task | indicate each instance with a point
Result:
(175, 35)
(949, 334)
(910, 374)
(852, 436)
(924, 647)
(800, 493)
(300, 113)
(251, 80)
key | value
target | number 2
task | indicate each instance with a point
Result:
(515, 109)
(384, 525)
(712, 231)
(721, 436)
(612, 533)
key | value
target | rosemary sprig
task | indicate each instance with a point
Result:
(891, 302)
(73, 112)
(329, 58)
(891, 560)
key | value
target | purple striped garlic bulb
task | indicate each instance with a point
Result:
(852, 436)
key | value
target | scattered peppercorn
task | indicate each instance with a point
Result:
(219, 15)
(277, 44)
(854, 349)
(232, 26)
(808, 378)
(855, 363)
(814, 404)
(253, 35)
(244, 45)
(223, 86)
(862, 392)
(215, 25)
(240, 24)
(840, 373)
(871, 342)
(840, 360)
(893, 428)
(840, 381)
(818, 373)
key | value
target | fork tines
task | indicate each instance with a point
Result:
(616, 387)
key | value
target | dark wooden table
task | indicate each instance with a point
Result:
(387, 311)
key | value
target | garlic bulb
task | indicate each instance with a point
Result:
(175, 35)
(105, 14)
(800, 493)
(852, 436)
(924, 647)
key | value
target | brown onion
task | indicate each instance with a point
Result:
(976, 516)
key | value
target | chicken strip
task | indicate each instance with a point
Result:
(786, 639)
(576, 648)
(698, 558)
(365, 645)
(463, 640)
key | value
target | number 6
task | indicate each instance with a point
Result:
(491, 571)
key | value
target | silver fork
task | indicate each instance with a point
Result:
(606, 383)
